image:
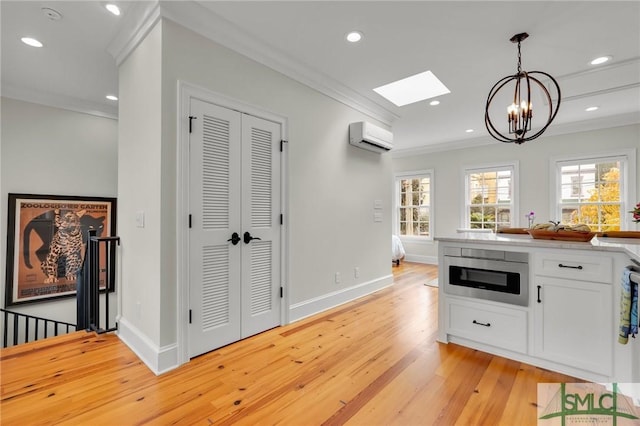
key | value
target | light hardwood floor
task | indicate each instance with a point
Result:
(373, 361)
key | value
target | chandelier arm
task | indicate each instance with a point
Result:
(552, 111)
(495, 133)
(557, 86)
(525, 118)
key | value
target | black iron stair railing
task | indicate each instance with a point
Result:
(21, 328)
(97, 275)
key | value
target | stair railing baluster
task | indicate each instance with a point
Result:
(18, 318)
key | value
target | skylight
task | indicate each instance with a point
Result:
(419, 87)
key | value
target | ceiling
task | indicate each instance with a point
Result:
(465, 44)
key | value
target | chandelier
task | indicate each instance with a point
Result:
(517, 127)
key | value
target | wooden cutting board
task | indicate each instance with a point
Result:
(512, 231)
(543, 234)
(619, 234)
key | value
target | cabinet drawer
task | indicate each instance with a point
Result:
(574, 267)
(490, 324)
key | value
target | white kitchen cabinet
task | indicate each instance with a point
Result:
(572, 330)
(500, 326)
(573, 322)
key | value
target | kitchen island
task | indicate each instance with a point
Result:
(566, 316)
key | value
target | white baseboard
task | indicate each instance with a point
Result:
(158, 359)
(429, 260)
(310, 307)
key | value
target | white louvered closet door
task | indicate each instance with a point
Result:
(234, 289)
(215, 202)
(261, 218)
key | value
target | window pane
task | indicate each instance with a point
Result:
(504, 215)
(488, 214)
(426, 185)
(568, 215)
(595, 186)
(423, 213)
(424, 228)
(413, 209)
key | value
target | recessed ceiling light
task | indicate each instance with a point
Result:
(113, 9)
(592, 108)
(434, 103)
(31, 42)
(112, 97)
(52, 14)
(415, 88)
(601, 60)
(354, 36)
(469, 130)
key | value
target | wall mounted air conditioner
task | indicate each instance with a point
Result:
(370, 137)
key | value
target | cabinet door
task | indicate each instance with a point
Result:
(573, 323)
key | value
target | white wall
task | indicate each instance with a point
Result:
(331, 185)
(48, 150)
(139, 190)
(533, 158)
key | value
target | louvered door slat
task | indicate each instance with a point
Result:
(215, 176)
(261, 264)
(261, 178)
(215, 286)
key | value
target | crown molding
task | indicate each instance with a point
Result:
(59, 101)
(139, 20)
(198, 18)
(555, 130)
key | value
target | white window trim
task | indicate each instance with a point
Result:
(628, 181)
(396, 202)
(514, 165)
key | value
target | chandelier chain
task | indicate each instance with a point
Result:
(519, 59)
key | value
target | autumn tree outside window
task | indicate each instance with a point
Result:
(592, 191)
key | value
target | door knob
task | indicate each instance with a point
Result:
(235, 238)
(248, 237)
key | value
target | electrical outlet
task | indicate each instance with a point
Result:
(138, 310)
(337, 277)
(356, 272)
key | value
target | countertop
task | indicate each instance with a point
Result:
(630, 246)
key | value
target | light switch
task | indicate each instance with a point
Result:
(140, 219)
(377, 204)
(377, 216)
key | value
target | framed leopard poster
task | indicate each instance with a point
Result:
(46, 241)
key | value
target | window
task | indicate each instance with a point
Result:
(490, 197)
(593, 190)
(414, 196)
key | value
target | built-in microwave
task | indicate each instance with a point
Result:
(501, 276)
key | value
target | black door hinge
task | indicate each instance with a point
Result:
(281, 219)
(189, 316)
(281, 292)
(282, 142)
(189, 221)
(191, 118)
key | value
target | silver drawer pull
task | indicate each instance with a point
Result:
(560, 265)
(481, 323)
